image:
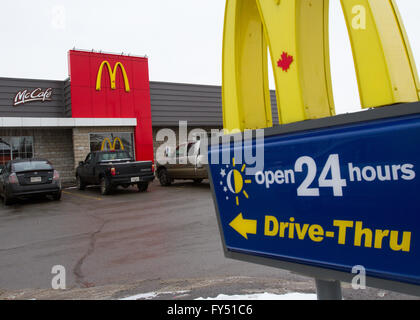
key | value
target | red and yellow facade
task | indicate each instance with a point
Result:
(113, 86)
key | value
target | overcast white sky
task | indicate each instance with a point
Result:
(183, 39)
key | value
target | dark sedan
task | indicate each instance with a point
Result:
(29, 177)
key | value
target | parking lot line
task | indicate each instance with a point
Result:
(82, 196)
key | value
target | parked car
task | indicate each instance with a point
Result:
(111, 169)
(185, 162)
(29, 177)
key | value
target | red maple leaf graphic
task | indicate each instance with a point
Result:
(285, 61)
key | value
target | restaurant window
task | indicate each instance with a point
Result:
(112, 141)
(12, 148)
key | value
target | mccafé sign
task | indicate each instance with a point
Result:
(38, 94)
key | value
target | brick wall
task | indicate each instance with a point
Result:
(65, 148)
(56, 145)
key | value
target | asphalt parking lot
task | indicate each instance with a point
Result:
(165, 233)
(143, 241)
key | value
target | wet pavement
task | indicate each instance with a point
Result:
(165, 240)
(168, 232)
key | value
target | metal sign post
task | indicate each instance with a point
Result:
(328, 290)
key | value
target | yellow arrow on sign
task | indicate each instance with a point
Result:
(244, 226)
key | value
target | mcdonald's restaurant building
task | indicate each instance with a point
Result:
(107, 102)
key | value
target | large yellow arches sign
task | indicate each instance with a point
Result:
(296, 33)
(112, 75)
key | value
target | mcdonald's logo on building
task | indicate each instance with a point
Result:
(113, 75)
(296, 33)
(112, 146)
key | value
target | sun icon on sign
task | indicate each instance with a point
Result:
(235, 181)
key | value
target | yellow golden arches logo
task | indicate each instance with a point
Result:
(111, 146)
(296, 33)
(112, 74)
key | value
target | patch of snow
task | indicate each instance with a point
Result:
(142, 296)
(151, 295)
(264, 296)
(255, 296)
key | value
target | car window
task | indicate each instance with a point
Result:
(31, 166)
(89, 157)
(114, 156)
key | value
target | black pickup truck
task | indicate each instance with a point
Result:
(111, 169)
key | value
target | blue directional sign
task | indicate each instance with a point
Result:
(333, 197)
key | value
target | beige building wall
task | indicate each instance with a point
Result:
(65, 148)
(55, 145)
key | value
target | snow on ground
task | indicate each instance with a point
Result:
(256, 296)
(264, 296)
(142, 296)
(151, 295)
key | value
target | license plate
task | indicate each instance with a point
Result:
(135, 179)
(36, 179)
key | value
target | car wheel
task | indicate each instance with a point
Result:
(57, 196)
(164, 178)
(198, 181)
(80, 184)
(105, 187)
(142, 186)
